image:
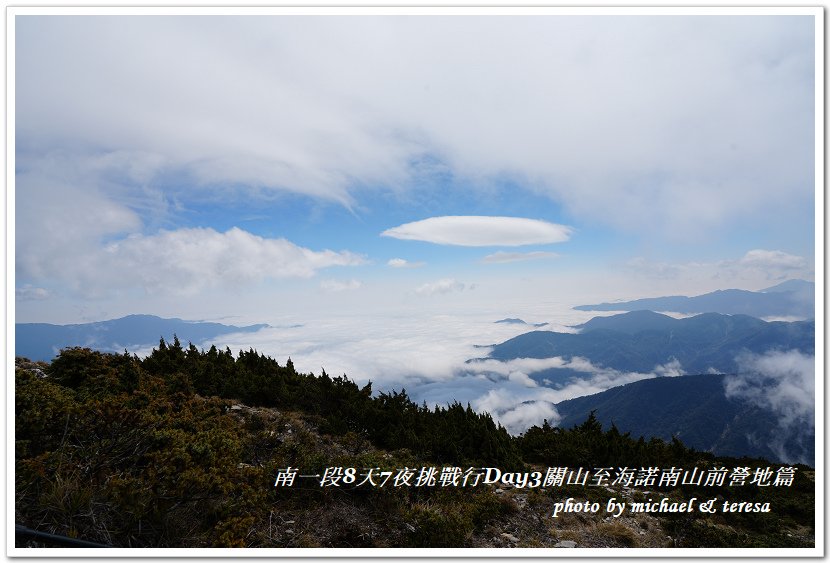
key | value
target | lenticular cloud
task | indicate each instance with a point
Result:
(471, 230)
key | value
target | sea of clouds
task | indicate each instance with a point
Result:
(439, 359)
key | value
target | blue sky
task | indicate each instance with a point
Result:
(202, 167)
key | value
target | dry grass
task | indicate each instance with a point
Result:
(618, 533)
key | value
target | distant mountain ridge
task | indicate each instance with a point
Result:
(640, 340)
(792, 298)
(513, 321)
(42, 341)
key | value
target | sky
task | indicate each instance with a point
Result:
(444, 170)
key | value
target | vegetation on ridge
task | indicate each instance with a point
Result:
(159, 452)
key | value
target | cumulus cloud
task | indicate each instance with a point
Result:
(337, 286)
(782, 382)
(473, 230)
(507, 257)
(447, 285)
(401, 263)
(185, 261)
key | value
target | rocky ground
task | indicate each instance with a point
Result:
(529, 522)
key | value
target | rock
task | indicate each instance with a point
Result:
(236, 408)
(499, 491)
(510, 537)
(566, 543)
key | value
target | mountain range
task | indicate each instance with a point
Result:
(42, 341)
(694, 407)
(641, 340)
(792, 298)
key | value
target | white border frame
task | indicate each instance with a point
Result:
(817, 551)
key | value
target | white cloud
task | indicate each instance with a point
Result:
(473, 230)
(392, 349)
(671, 368)
(185, 261)
(28, 292)
(441, 287)
(428, 354)
(337, 286)
(526, 365)
(522, 416)
(604, 117)
(518, 405)
(754, 270)
(784, 384)
(401, 263)
(521, 378)
(773, 259)
(59, 223)
(507, 257)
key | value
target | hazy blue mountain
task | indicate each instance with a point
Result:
(695, 409)
(41, 341)
(799, 286)
(519, 322)
(793, 298)
(630, 323)
(640, 340)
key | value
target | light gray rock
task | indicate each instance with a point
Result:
(566, 543)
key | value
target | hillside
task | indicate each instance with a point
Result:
(695, 409)
(186, 448)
